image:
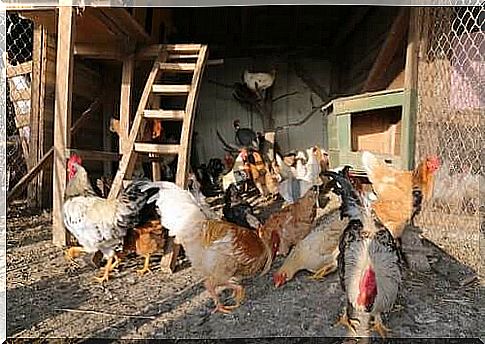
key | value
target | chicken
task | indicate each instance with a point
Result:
(294, 221)
(368, 262)
(397, 202)
(223, 252)
(295, 184)
(99, 224)
(318, 251)
(237, 211)
(145, 240)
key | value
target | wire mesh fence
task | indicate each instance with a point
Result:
(18, 60)
(450, 116)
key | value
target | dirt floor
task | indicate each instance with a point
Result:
(47, 298)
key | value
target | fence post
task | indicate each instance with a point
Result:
(62, 117)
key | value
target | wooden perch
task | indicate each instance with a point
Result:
(388, 50)
(25, 180)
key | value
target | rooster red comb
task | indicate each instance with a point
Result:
(75, 159)
(433, 162)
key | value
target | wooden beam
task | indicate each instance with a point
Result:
(408, 121)
(23, 68)
(351, 24)
(125, 101)
(388, 49)
(37, 86)
(187, 126)
(62, 119)
(112, 51)
(94, 155)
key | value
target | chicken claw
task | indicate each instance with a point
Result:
(109, 267)
(324, 271)
(345, 320)
(73, 252)
(379, 327)
(223, 309)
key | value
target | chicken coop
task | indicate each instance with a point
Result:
(346, 78)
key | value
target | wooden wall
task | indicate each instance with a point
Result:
(218, 109)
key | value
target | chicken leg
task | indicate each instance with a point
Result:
(73, 252)
(348, 322)
(219, 306)
(107, 269)
(146, 266)
(379, 327)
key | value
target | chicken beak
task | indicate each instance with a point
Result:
(279, 279)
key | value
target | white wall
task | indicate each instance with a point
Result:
(218, 109)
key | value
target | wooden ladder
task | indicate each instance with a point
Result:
(171, 59)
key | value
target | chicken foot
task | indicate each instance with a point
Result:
(324, 271)
(107, 269)
(379, 327)
(348, 322)
(74, 252)
(146, 266)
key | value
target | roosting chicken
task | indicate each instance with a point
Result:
(294, 221)
(368, 261)
(318, 251)
(397, 191)
(145, 240)
(99, 224)
(237, 211)
(222, 251)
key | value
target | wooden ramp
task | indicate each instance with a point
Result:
(170, 59)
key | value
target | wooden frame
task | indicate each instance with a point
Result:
(62, 120)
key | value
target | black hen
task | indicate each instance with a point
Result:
(237, 211)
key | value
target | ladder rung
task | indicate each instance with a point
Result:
(182, 48)
(171, 89)
(157, 148)
(178, 67)
(182, 56)
(164, 114)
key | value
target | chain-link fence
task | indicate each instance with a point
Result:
(449, 119)
(18, 60)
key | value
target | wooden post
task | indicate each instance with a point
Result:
(125, 100)
(408, 122)
(62, 117)
(39, 65)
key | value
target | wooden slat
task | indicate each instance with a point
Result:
(16, 95)
(127, 163)
(162, 149)
(125, 101)
(171, 89)
(178, 67)
(187, 127)
(154, 50)
(114, 51)
(183, 56)
(62, 122)
(23, 68)
(388, 50)
(165, 114)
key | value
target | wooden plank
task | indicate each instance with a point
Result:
(62, 121)
(153, 50)
(128, 160)
(388, 50)
(187, 126)
(408, 121)
(140, 13)
(20, 69)
(370, 101)
(165, 114)
(171, 89)
(156, 148)
(38, 70)
(178, 67)
(111, 51)
(125, 101)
